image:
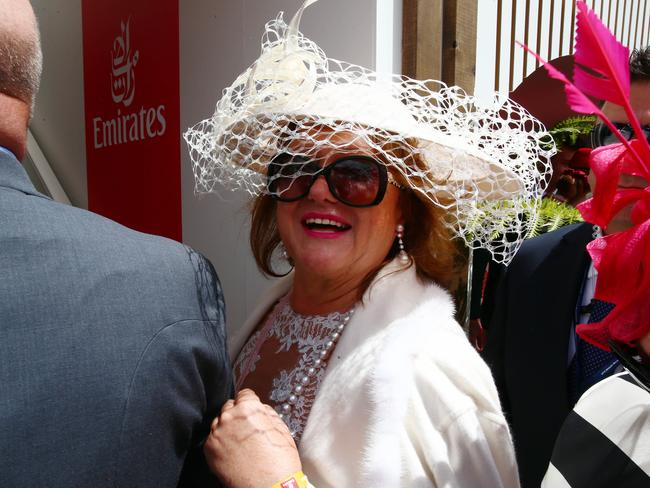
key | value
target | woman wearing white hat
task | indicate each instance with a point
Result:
(361, 182)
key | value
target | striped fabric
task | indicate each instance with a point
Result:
(605, 440)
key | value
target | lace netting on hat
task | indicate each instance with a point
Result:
(485, 164)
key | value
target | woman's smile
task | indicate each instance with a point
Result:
(324, 225)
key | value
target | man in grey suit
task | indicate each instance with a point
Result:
(112, 347)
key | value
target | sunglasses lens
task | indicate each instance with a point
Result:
(289, 177)
(603, 136)
(625, 130)
(357, 181)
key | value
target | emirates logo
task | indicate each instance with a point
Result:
(124, 61)
(129, 124)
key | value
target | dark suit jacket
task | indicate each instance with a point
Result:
(112, 349)
(528, 340)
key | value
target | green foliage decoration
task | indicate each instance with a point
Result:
(548, 216)
(567, 132)
(552, 215)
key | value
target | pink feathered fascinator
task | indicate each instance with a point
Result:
(621, 259)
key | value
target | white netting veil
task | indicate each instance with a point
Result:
(487, 165)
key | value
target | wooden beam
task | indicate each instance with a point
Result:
(409, 37)
(422, 38)
(439, 41)
(524, 65)
(459, 43)
(513, 46)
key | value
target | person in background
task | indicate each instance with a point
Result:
(541, 367)
(604, 440)
(112, 342)
(360, 181)
(567, 186)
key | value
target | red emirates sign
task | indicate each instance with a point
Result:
(132, 107)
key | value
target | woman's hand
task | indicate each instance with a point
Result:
(249, 445)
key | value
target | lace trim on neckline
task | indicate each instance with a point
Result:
(307, 334)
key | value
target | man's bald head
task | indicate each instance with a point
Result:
(21, 59)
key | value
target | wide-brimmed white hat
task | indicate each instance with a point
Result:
(486, 163)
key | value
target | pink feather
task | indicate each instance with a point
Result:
(598, 50)
(622, 259)
(581, 103)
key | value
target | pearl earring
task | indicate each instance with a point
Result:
(283, 251)
(404, 258)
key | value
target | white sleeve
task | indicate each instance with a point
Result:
(458, 428)
(481, 451)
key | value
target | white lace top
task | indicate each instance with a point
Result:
(306, 333)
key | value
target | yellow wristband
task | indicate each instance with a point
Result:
(296, 480)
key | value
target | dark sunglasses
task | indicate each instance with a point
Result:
(601, 135)
(358, 181)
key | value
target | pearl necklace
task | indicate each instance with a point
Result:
(319, 361)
